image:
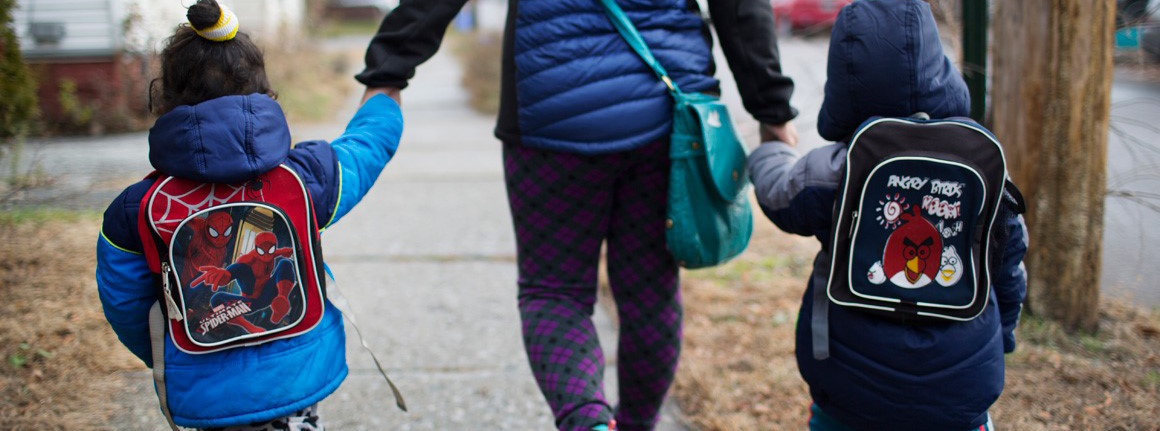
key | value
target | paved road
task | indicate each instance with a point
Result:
(1132, 229)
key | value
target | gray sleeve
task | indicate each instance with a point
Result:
(779, 174)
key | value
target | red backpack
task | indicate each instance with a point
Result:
(239, 264)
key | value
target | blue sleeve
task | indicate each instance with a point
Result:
(797, 193)
(124, 282)
(315, 163)
(1010, 279)
(339, 174)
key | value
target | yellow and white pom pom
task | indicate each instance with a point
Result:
(225, 29)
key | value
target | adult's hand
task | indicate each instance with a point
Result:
(779, 132)
(392, 92)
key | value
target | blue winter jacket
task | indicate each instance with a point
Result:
(582, 89)
(229, 140)
(571, 83)
(882, 375)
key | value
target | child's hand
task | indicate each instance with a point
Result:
(785, 133)
(391, 92)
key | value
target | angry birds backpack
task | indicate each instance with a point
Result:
(238, 264)
(912, 228)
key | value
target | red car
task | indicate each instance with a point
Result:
(805, 14)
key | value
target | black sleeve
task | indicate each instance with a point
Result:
(408, 36)
(749, 40)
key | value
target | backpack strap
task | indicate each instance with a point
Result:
(339, 301)
(820, 318)
(1013, 198)
(157, 320)
(157, 340)
(145, 231)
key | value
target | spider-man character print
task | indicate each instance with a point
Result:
(266, 277)
(208, 245)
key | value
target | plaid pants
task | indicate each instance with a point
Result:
(302, 420)
(563, 207)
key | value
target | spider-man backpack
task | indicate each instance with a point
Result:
(912, 228)
(238, 264)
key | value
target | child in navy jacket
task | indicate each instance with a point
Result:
(219, 124)
(886, 60)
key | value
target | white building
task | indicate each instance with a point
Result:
(86, 28)
(106, 47)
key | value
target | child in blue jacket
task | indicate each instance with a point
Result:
(886, 60)
(219, 124)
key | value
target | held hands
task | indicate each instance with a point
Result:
(784, 132)
(391, 92)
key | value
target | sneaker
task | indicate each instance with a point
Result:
(610, 427)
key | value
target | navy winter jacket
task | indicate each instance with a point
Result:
(228, 140)
(882, 375)
(571, 83)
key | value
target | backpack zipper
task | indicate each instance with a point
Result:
(170, 304)
(853, 224)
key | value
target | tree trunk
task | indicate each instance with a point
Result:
(1050, 96)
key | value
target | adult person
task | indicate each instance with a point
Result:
(584, 124)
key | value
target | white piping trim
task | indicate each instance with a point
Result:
(842, 210)
(861, 217)
(310, 243)
(181, 292)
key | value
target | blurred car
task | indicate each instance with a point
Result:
(359, 10)
(806, 14)
(383, 6)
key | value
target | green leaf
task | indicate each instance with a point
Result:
(17, 361)
(45, 353)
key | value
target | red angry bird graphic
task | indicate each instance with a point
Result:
(211, 237)
(913, 252)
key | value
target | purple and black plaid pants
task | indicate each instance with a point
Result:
(564, 206)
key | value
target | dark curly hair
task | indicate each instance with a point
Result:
(195, 69)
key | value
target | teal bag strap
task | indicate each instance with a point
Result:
(630, 35)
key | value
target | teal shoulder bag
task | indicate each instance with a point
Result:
(709, 218)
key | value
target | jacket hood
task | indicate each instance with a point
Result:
(225, 140)
(886, 59)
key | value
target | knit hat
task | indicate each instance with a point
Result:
(212, 21)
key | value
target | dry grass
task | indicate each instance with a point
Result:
(738, 370)
(311, 83)
(481, 56)
(60, 357)
(737, 366)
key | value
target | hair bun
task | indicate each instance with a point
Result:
(204, 14)
(212, 21)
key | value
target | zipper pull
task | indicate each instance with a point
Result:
(170, 304)
(853, 224)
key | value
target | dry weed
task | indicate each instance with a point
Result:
(738, 370)
(481, 56)
(59, 355)
(312, 84)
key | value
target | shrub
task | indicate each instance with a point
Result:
(18, 106)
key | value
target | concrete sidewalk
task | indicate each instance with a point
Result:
(427, 264)
(427, 261)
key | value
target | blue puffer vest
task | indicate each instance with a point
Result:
(581, 89)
